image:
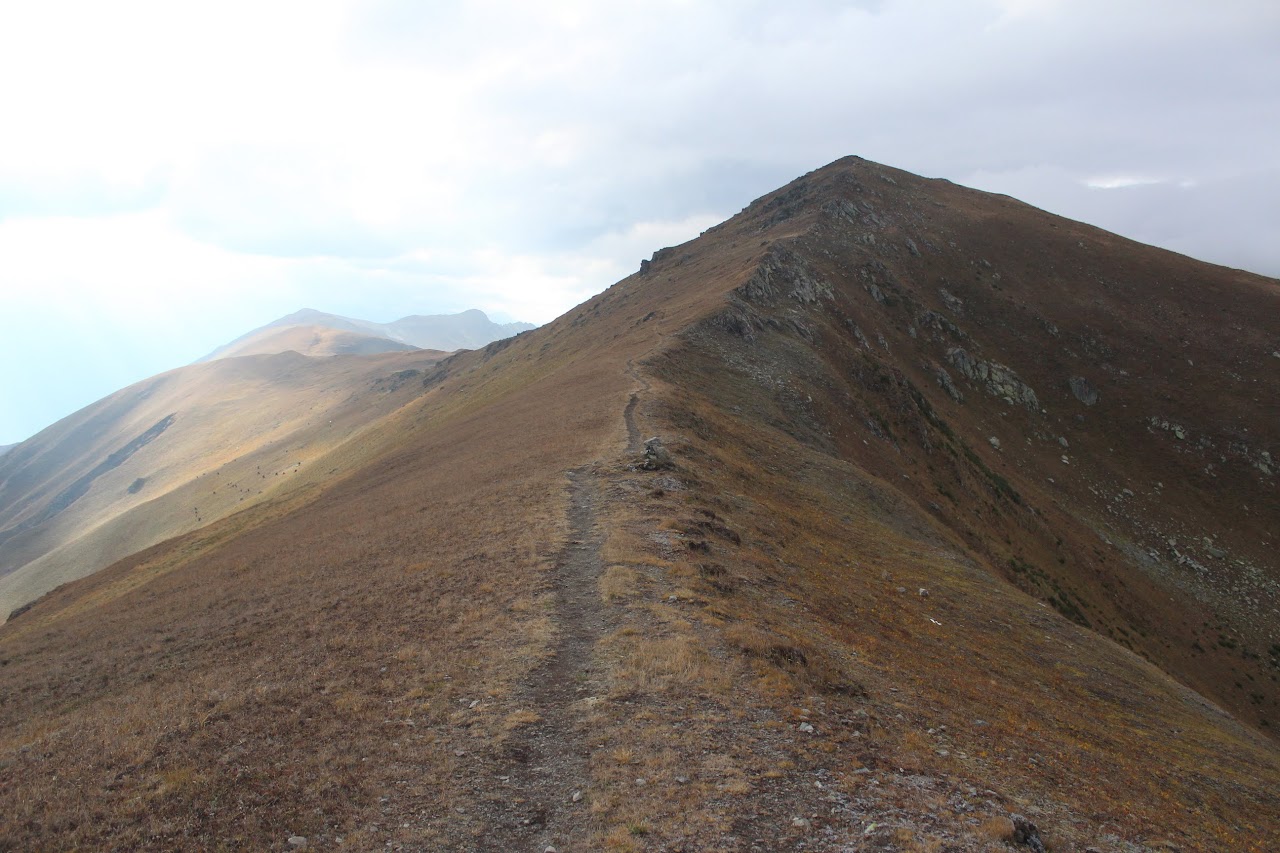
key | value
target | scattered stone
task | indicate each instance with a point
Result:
(902, 589)
(924, 593)
(954, 304)
(548, 849)
(1065, 460)
(297, 842)
(1062, 439)
(995, 442)
(577, 797)
(1026, 833)
(656, 455)
(801, 824)
(641, 782)
(682, 780)
(1083, 390)
(807, 728)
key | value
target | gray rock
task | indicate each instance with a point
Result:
(297, 842)
(656, 456)
(997, 380)
(995, 442)
(1026, 833)
(945, 383)
(1083, 390)
(783, 273)
(954, 303)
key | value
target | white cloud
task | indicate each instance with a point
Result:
(1116, 182)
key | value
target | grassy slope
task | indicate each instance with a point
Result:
(241, 429)
(348, 662)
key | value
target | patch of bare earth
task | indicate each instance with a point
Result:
(533, 791)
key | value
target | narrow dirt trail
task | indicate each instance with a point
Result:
(547, 760)
(634, 440)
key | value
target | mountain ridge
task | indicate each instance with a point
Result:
(823, 608)
(468, 329)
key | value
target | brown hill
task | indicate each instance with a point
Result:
(824, 611)
(311, 340)
(177, 451)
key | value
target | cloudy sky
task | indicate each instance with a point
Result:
(175, 174)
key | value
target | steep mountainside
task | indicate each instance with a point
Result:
(845, 526)
(312, 341)
(175, 452)
(6, 448)
(466, 330)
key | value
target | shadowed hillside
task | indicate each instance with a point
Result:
(876, 515)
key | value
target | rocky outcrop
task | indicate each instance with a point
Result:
(996, 379)
(946, 384)
(783, 274)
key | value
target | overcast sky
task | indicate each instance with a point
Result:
(175, 174)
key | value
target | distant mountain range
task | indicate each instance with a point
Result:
(93, 488)
(319, 333)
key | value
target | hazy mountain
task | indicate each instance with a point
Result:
(175, 452)
(5, 448)
(953, 510)
(466, 330)
(311, 340)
